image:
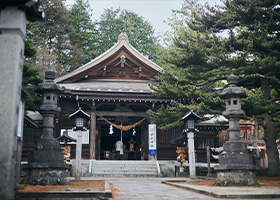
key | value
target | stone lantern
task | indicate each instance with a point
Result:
(46, 163)
(190, 122)
(81, 119)
(235, 164)
(190, 128)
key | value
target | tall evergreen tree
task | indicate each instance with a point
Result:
(194, 66)
(52, 38)
(140, 32)
(254, 46)
(251, 47)
(84, 30)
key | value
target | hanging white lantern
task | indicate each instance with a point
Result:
(134, 132)
(111, 130)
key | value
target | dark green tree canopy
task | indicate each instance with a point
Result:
(84, 35)
(199, 56)
(70, 38)
(140, 32)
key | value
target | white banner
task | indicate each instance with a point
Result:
(152, 139)
(73, 134)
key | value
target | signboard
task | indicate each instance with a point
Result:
(73, 134)
(152, 139)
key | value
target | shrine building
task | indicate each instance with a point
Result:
(114, 90)
(114, 86)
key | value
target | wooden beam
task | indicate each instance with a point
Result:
(122, 114)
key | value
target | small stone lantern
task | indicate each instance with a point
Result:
(190, 122)
(81, 119)
(189, 128)
(235, 164)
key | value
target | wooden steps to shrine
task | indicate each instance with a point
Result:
(123, 168)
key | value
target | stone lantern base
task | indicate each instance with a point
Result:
(46, 165)
(235, 166)
(236, 178)
(44, 176)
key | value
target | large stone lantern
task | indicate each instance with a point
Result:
(235, 164)
(46, 163)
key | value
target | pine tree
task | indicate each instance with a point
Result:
(253, 47)
(194, 66)
(84, 35)
(140, 32)
(52, 39)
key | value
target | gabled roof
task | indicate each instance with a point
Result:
(79, 113)
(114, 54)
(190, 114)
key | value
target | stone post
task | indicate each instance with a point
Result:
(191, 155)
(235, 164)
(78, 170)
(12, 27)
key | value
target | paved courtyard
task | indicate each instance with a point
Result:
(150, 188)
(135, 188)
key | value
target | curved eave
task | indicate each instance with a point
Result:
(107, 54)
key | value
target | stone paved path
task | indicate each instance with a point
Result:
(150, 189)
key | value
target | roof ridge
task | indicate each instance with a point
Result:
(122, 41)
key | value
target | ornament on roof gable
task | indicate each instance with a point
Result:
(122, 36)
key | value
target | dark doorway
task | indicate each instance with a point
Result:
(108, 141)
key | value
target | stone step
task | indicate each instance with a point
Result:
(124, 168)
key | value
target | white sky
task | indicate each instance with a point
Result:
(154, 11)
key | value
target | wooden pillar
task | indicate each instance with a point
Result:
(144, 138)
(92, 148)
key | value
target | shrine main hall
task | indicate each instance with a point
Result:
(114, 90)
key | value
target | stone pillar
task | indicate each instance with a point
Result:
(12, 27)
(235, 164)
(78, 170)
(191, 153)
(92, 133)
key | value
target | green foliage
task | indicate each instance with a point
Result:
(84, 30)
(70, 38)
(199, 51)
(195, 59)
(30, 79)
(30, 76)
(250, 45)
(52, 39)
(140, 32)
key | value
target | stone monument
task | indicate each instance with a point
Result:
(235, 164)
(46, 163)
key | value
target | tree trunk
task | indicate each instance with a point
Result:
(271, 147)
(270, 134)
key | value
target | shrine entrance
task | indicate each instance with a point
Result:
(131, 143)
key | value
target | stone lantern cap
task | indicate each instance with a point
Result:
(232, 90)
(79, 113)
(32, 8)
(190, 115)
(66, 138)
(49, 85)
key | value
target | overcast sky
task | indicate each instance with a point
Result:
(155, 11)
